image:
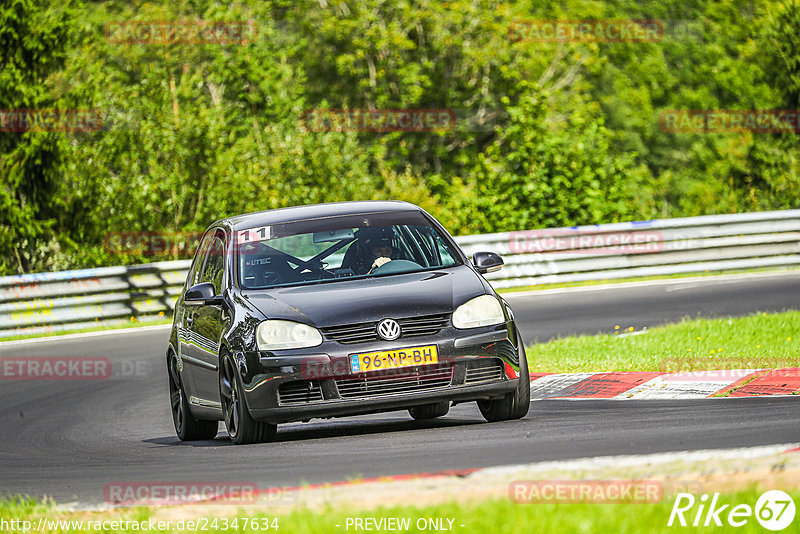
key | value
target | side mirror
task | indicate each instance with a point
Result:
(202, 294)
(487, 262)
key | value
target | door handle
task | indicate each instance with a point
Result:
(189, 320)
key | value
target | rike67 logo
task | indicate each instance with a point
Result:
(774, 510)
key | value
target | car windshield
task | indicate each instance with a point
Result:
(340, 248)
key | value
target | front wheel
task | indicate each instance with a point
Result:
(186, 426)
(514, 405)
(429, 411)
(241, 427)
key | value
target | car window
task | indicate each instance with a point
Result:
(303, 247)
(214, 264)
(445, 257)
(200, 259)
(337, 248)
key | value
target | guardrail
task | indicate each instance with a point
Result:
(48, 302)
(45, 302)
(643, 248)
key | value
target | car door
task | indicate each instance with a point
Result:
(186, 350)
(205, 324)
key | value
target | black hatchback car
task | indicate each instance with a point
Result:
(334, 310)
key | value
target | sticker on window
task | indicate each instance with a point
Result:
(253, 234)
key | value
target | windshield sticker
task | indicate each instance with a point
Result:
(253, 234)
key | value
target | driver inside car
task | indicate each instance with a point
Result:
(372, 249)
(382, 250)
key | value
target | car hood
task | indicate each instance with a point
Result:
(371, 299)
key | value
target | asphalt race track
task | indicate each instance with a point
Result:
(590, 310)
(68, 439)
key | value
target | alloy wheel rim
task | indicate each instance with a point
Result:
(230, 400)
(176, 394)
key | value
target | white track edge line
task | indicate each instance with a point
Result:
(132, 330)
(646, 283)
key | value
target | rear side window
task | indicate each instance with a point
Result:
(200, 259)
(214, 264)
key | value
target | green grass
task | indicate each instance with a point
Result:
(504, 516)
(762, 340)
(642, 279)
(498, 515)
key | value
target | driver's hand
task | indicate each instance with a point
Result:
(383, 260)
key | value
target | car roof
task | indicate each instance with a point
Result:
(314, 211)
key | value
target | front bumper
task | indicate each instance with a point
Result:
(473, 365)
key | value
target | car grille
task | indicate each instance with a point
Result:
(299, 392)
(400, 381)
(423, 325)
(484, 370)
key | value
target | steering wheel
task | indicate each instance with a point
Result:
(397, 266)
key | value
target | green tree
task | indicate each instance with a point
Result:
(538, 175)
(34, 43)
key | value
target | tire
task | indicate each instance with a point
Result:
(241, 426)
(187, 427)
(429, 411)
(514, 405)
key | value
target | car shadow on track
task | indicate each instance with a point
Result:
(342, 428)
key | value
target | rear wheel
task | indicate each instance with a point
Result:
(514, 405)
(429, 411)
(186, 426)
(241, 427)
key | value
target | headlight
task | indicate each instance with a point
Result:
(480, 311)
(277, 335)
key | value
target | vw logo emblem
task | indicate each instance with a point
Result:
(388, 329)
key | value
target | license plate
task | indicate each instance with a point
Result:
(392, 359)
